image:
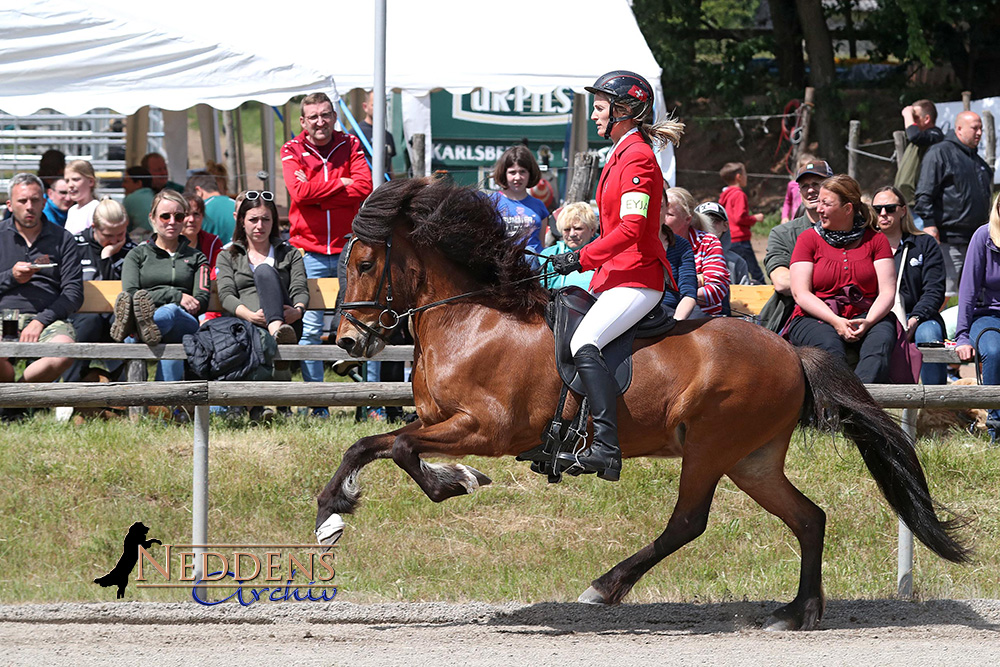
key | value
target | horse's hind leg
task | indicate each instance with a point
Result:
(688, 521)
(761, 475)
(342, 492)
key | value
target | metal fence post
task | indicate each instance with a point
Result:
(199, 492)
(904, 567)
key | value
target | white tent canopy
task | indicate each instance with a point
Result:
(73, 57)
(460, 45)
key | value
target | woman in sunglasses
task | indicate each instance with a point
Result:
(920, 271)
(844, 282)
(261, 278)
(165, 283)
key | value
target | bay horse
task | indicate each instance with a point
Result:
(723, 394)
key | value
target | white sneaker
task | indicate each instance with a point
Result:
(63, 414)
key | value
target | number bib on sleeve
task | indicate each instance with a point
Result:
(634, 203)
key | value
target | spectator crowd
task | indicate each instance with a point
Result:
(166, 242)
(861, 276)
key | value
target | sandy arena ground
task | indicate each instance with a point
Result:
(870, 632)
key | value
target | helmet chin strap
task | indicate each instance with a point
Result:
(612, 119)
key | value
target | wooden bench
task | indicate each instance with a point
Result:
(751, 299)
(99, 295)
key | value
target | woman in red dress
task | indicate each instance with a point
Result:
(844, 282)
(628, 260)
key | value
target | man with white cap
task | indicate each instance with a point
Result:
(717, 220)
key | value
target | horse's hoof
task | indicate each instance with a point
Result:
(591, 596)
(472, 479)
(775, 624)
(804, 616)
(330, 530)
(480, 477)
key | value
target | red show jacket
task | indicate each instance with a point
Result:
(629, 252)
(322, 208)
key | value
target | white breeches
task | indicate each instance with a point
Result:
(616, 311)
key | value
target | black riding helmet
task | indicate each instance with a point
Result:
(628, 89)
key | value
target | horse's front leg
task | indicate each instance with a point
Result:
(342, 492)
(457, 436)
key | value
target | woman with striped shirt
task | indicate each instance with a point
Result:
(709, 259)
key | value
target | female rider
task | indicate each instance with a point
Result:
(628, 259)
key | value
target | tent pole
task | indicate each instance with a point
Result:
(231, 161)
(241, 160)
(577, 136)
(267, 144)
(288, 133)
(136, 135)
(378, 118)
(175, 143)
(208, 125)
(287, 130)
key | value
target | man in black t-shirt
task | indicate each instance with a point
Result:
(366, 128)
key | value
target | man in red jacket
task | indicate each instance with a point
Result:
(327, 179)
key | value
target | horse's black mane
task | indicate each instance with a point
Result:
(464, 225)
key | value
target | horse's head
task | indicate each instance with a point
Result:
(420, 243)
(375, 264)
(369, 310)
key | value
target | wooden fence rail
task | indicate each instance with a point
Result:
(201, 392)
(130, 351)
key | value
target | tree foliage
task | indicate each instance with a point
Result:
(722, 68)
(937, 32)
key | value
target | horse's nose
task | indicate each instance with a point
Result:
(348, 343)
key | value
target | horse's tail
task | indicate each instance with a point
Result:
(837, 399)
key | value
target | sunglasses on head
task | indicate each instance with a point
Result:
(888, 208)
(253, 195)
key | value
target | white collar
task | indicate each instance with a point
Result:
(622, 138)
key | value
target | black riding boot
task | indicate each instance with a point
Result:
(603, 456)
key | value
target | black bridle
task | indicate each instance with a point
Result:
(386, 309)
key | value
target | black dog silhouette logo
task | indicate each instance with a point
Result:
(118, 576)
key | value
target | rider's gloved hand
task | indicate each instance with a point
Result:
(566, 263)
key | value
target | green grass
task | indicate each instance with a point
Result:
(67, 494)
